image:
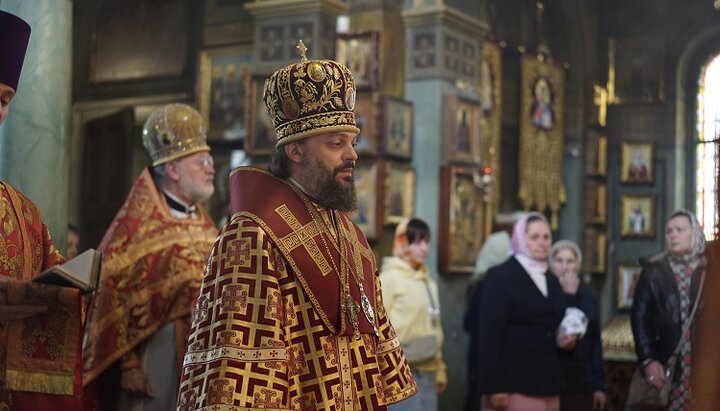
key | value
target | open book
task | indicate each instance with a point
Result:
(81, 272)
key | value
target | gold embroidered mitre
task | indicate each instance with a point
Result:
(173, 131)
(309, 98)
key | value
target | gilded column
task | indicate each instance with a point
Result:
(34, 139)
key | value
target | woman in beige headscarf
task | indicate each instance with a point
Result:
(411, 300)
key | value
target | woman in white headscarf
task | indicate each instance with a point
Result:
(521, 307)
(662, 306)
(583, 367)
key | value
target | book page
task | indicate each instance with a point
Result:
(80, 272)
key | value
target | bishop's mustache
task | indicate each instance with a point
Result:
(344, 166)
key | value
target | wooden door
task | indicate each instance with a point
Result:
(106, 167)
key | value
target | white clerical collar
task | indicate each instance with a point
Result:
(179, 208)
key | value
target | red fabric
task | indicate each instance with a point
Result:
(39, 402)
(152, 268)
(28, 250)
(247, 180)
(263, 334)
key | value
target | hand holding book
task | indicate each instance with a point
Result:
(82, 272)
(15, 311)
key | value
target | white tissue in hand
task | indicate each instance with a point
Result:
(574, 322)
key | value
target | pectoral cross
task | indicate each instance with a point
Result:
(367, 308)
(351, 309)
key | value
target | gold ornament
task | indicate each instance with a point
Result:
(309, 98)
(173, 131)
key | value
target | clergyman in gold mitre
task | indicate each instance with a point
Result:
(290, 313)
(174, 131)
(309, 98)
(154, 255)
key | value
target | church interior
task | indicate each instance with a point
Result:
(601, 114)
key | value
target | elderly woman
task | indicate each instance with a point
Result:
(521, 307)
(663, 303)
(582, 367)
(411, 300)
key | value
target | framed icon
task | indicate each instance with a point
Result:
(222, 85)
(637, 69)
(461, 219)
(367, 215)
(627, 277)
(368, 118)
(637, 163)
(360, 52)
(637, 213)
(261, 132)
(397, 131)
(398, 191)
(461, 124)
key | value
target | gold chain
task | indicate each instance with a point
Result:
(365, 304)
(347, 304)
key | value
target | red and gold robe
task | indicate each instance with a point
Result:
(268, 331)
(40, 354)
(26, 246)
(152, 268)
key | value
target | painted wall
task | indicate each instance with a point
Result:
(34, 139)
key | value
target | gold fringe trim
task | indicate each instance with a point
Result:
(33, 381)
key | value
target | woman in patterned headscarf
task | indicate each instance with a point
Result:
(662, 304)
(521, 306)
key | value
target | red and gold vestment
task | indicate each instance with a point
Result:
(25, 244)
(269, 332)
(40, 354)
(152, 268)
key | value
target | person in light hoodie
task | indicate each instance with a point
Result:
(412, 303)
